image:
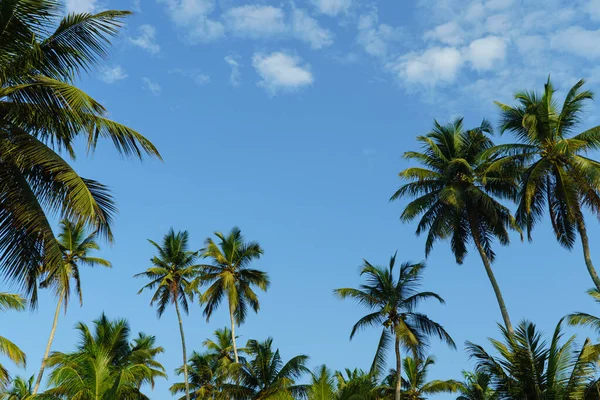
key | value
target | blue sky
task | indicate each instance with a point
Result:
(289, 120)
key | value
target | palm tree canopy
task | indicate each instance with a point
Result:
(229, 274)
(415, 385)
(42, 113)
(204, 378)
(393, 302)
(527, 367)
(75, 245)
(322, 385)
(106, 364)
(476, 386)
(9, 301)
(264, 375)
(558, 174)
(174, 274)
(20, 389)
(453, 189)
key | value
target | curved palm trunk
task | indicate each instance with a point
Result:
(235, 352)
(586, 252)
(492, 278)
(397, 393)
(49, 345)
(185, 364)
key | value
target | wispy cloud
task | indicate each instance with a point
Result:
(146, 39)
(332, 7)
(307, 29)
(194, 18)
(196, 76)
(235, 78)
(112, 74)
(255, 21)
(281, 71)
(81, 6)
(151, 86)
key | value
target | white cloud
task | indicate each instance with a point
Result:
(112, 75)
(80, 6)
(593, 9)
(281, 71)
(193, 17)
(308, 30)
(449, 33)
(146, 39)
(234, 77)
(578, 41)
(332, 7)
(498, 23)
(196, 76)
(486, 53)
(435, 65)
(255, 21)
(498, 4)
(375, 37)
(151, 86)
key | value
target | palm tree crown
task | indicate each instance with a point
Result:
(415, 385)
(42, 113)
(230, 276)
(392, 302)
(558, 174)
(454, 193)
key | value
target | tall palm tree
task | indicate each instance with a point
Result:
(20, 389)
(415, 385)
(558, 173)
(454, 193)
(75, 245)
(263, 374)
(527, 368)
(8, 349)
(476, 386)
(105, 365)
(42, 114)
(392, 302)
(204, 378)
(229, 276)
(174, 277)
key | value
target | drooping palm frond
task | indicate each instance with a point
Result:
(8, 349)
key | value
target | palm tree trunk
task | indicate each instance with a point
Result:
(586, 252)
(185, 364)
(397, 393)
(49, 345)
(235, 352)
(492, 278)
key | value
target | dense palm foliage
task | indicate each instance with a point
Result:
(263, 374)
(558, 172)
(174, 277)
(476, 386)
(20, 389)
(75, 246)
(42, 113)
(106, 364)
(392, 302)
(454, 192)
(527, 367)
(9, 301)
(229, 276)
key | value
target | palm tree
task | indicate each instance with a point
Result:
(393, 302)
(526, 368)
(322, 385)
(558, 173)
(415, 386)
(8, 349)
(204, 379)
(476, 386)
(42, 114)
(75, 246)
(105, 365)
(221, 349)
(20, 389)
(230, 276)
(453, 192)
(174, 276)
(357, 384)
(263, 375)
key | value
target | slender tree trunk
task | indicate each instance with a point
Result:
(492, 278)
(397, 393)
(49, 345)
(185, 364)
(586, 252)
(235, 352)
